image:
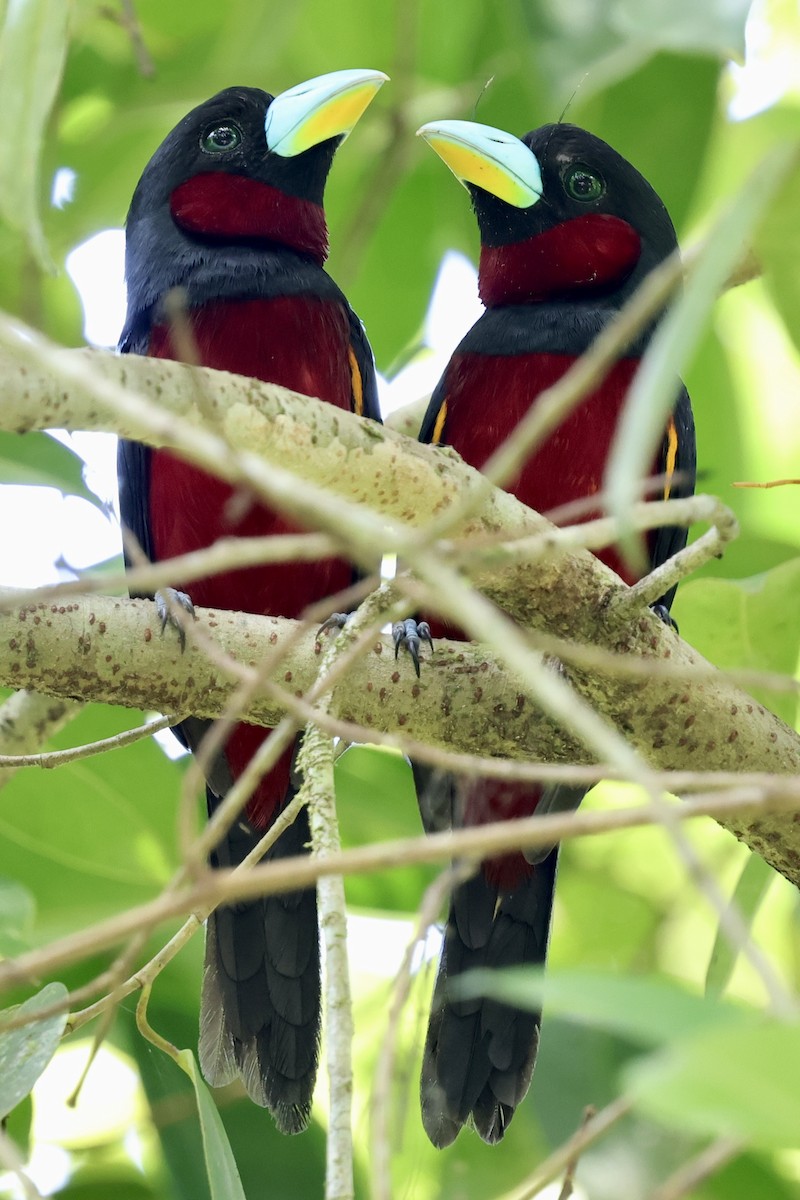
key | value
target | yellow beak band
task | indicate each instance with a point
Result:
(325, 107)
(495, 161)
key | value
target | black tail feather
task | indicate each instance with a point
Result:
(260, 1009)
(480, 1053)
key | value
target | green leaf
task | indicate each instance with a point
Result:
(41, 460)
(749, 623)
(33, 48)
(26, 1050)
(606, 42)
(223, 1176)
(644, 1010)
(778, 246)
(732, 1082)
(753, 884)
(653, 391)
(17, 912)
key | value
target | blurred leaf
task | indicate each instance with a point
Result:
(33, 47)
(42, 461)
(745, 1177)
(594, 45)
(376, 801)
(778, 246)
(17, 913)
(18, 1125)
(119, 1182)
(26, 1051)
(96, 835)
(223, 1177)
(753, 885)
(644, 1010)
(749, 623)
(739, 1081)
(652, 393)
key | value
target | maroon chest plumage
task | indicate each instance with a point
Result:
(267, 339)
(487, 397)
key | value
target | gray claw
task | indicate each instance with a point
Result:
(171, 606)
(335, 621)
(663, 614)
(410, 634)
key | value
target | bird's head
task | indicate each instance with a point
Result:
(246, 168)
(561, 214)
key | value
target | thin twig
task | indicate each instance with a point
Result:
(51, 759)
(293, 874)
(705, 1164)
(568, 1186)
(384, 1076)
(560, 1159)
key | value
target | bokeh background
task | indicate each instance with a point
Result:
(695, 95)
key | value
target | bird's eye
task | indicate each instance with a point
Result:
(583, 184)
(221, 138)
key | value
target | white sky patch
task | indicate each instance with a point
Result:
(376, 945)
(771, 68)
(97, 268)
(63, 191)
(454, 307)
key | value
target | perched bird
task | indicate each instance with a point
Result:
(568, 230)
(229, 211)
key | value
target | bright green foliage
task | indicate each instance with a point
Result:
(633, 943)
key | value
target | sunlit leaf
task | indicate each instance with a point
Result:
(17, 911)
(33, 48)
(645, 1010)
(735, 1081)
(751, 888)
(653, 392)
(223, 1176)
(42, 461)
(26, 1050)
(604, 42)
(778, 245)
(748, 623)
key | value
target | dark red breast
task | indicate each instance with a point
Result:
(487, 396)
(299, 342)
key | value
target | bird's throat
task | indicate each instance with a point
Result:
(222, 206)
(587, 255)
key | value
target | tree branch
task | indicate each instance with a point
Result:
(109, 650)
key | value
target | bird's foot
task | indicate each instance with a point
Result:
(173, 608)
(663, 614)
(410, 634)
(335, 621)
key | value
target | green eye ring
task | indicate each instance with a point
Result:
(221, 138)
(583, 184)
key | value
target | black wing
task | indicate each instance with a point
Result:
(432, 429)
(679, 465)
(133, 470)
(362, 369)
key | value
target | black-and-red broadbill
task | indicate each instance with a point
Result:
(230, 210)
(568, 230)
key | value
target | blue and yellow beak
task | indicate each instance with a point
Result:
(488, 158)
(322, 108)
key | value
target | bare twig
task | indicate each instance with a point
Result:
(51, 759)
(701, 1167)
(384, 1077)
(293, 874)
(568, 1186)
(560, 1159)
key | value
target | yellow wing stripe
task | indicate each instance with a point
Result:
(356, 383)
(672, 456)
(438, 426)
